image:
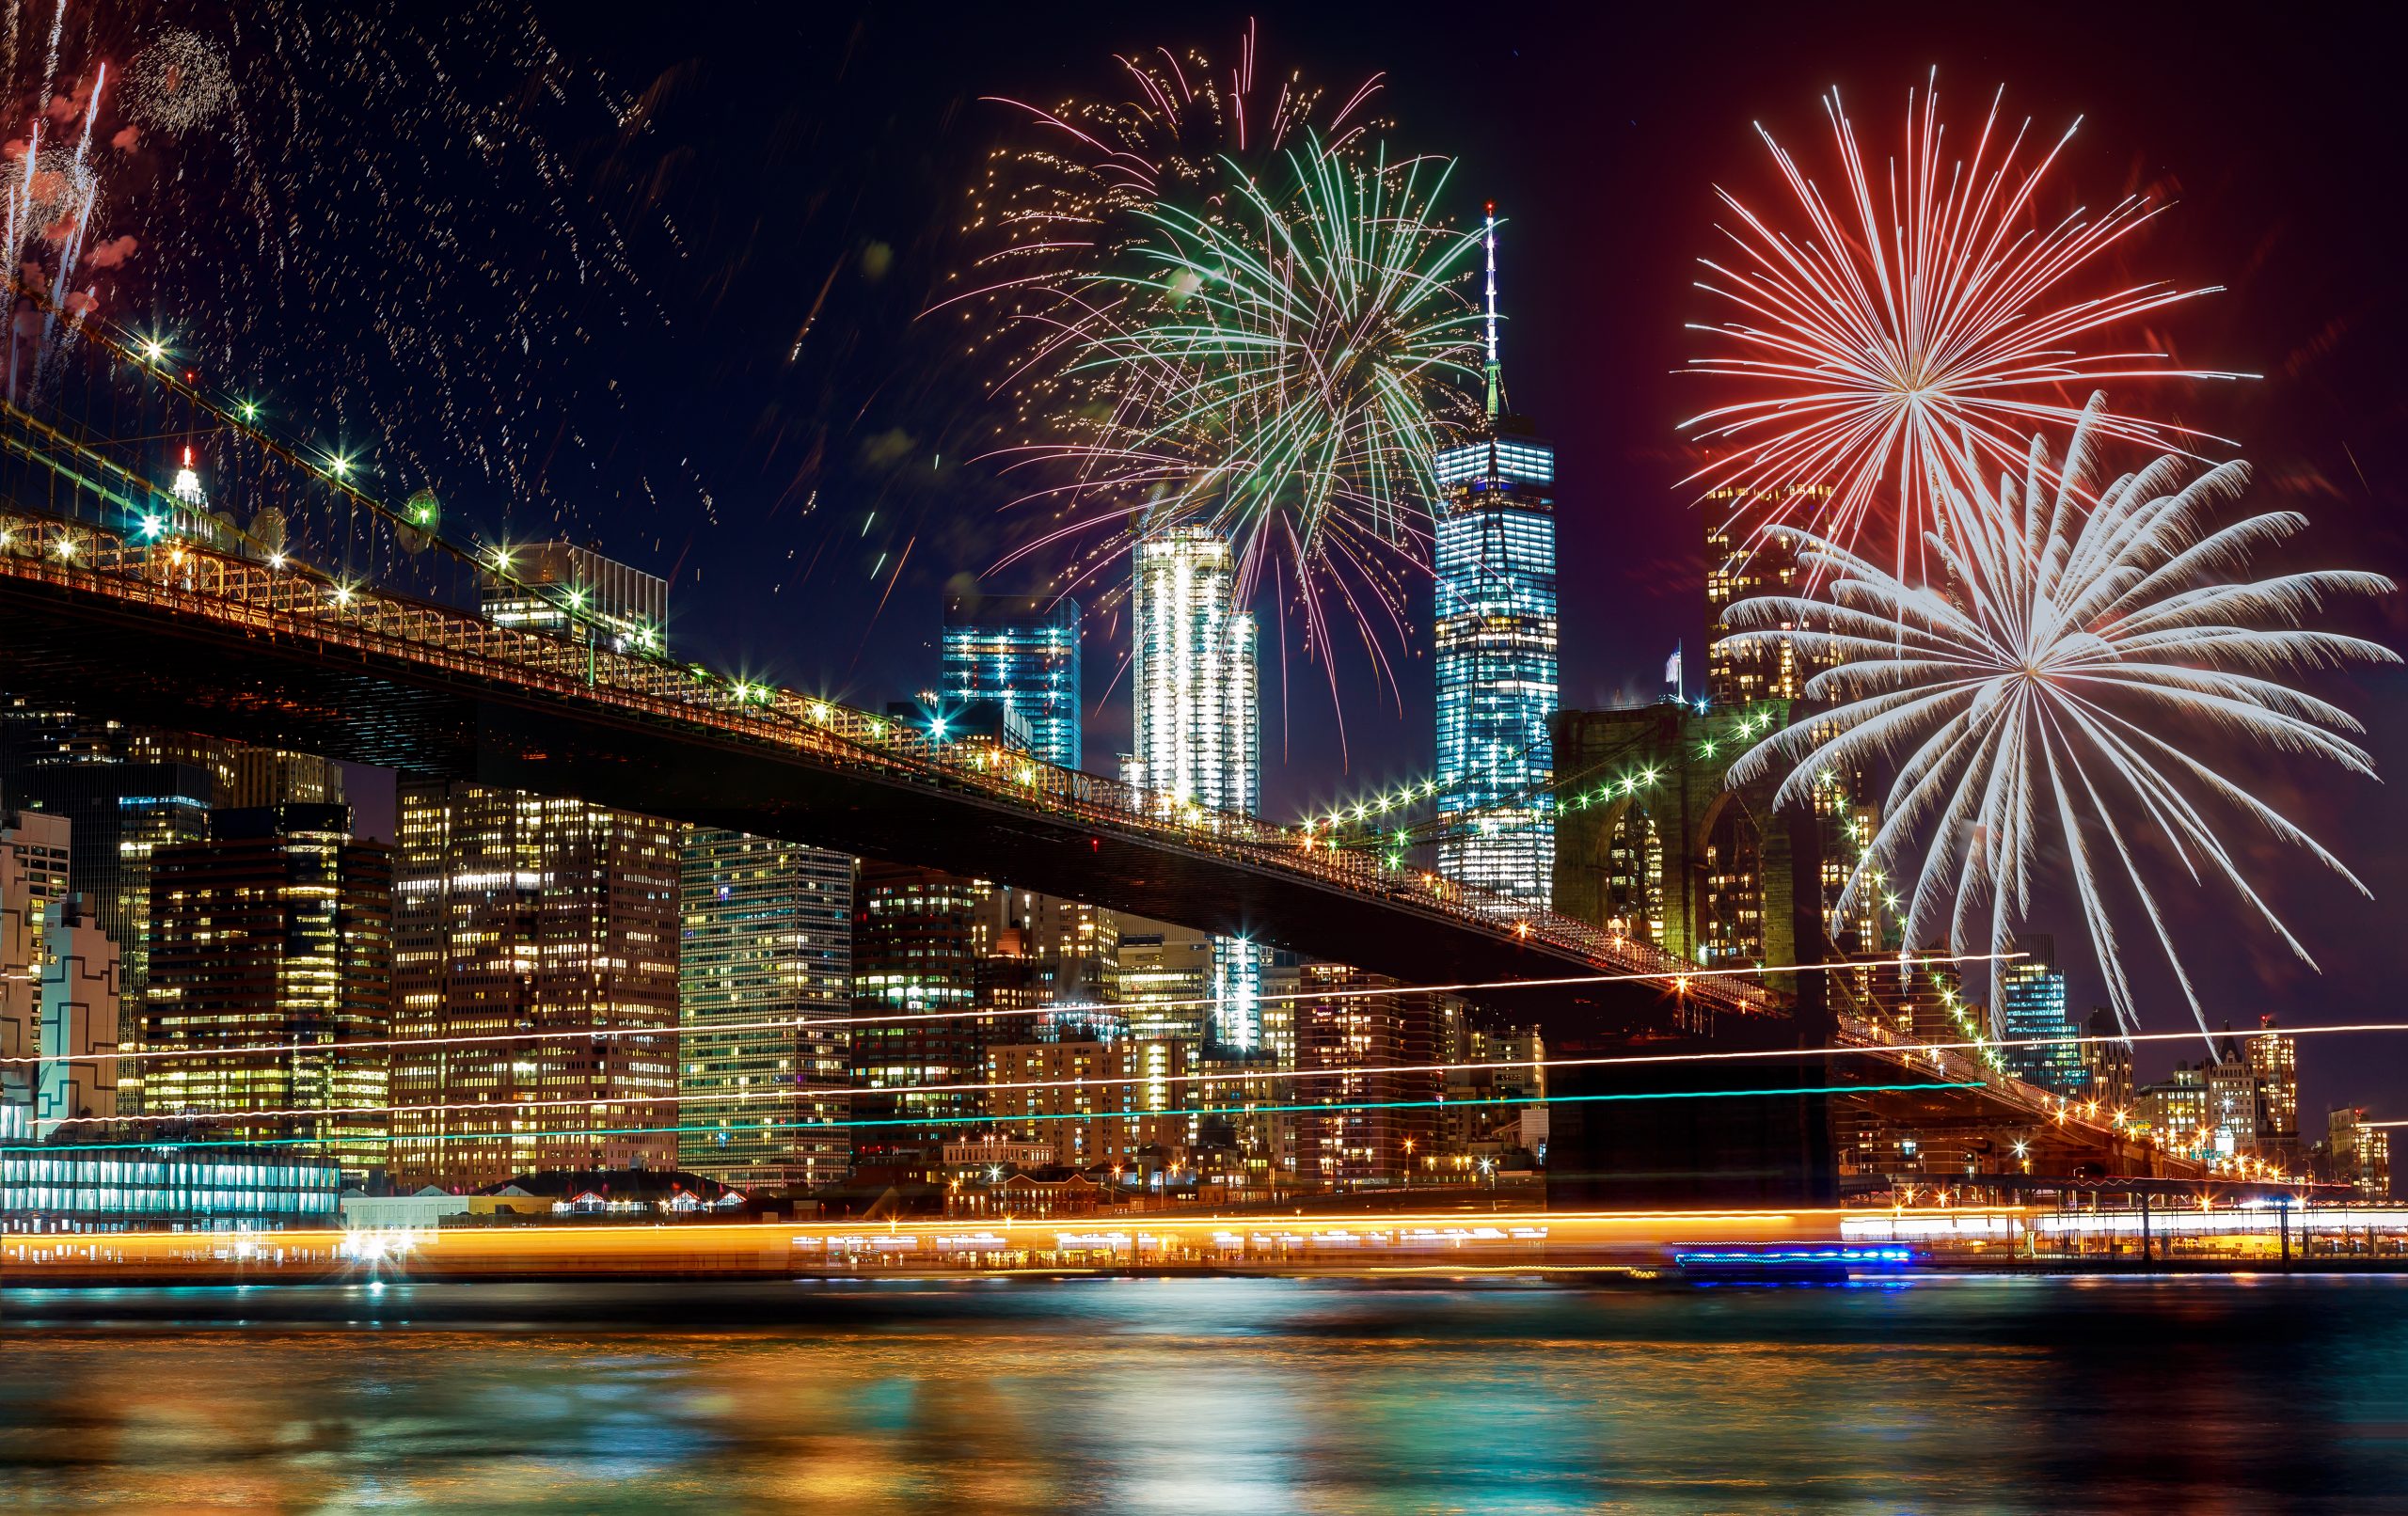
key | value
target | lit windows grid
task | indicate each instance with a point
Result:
(767, 935)
(1030, 666)
(1497, 660)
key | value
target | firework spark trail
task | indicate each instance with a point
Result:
(1284, 372)
(318, 199)
(2041, 691)
(1880, 332)
(1074, 219)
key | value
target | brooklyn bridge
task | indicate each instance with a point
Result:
(346, 634)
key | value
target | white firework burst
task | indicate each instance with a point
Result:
(2059, 688)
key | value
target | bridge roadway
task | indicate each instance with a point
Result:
(167, 633)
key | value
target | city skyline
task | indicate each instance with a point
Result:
(1567, 758)
(1198, 707)
(1587, 336)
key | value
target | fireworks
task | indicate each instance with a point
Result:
(356, 214)
(1163, 277)
(2049, 688)
(1281, 373)
(1072, 199)
(179, 81)
(1944, 304)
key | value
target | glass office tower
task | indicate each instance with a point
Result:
(1022, 653)
(1198, 731)
(1497, 654)
(2032, 991)
(765, 969)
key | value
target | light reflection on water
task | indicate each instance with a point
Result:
(1193, 1396)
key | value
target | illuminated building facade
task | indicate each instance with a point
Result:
(1742, 565)
(1090, 1102)
(45, 1190)
(2274, 1061)
(1198, 731)
(270, 776)
(1191, 672)
(2358, 1153)
(2032, 996)
(1036, 950)
(1165, 978)
(1496, 641)
(2175, 1111)
(563, 589)
(915, 955)
(518, 914)
(1022, 653)
(2108, 1055)
(766, 936)
(1494, 1089)
(1371, 1106)
(120, 813)
(276, 930)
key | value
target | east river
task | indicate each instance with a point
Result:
(1212, 1394)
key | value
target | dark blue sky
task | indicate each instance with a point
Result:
(791, 202)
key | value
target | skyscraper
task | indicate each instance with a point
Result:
(1373, 1102)
(1192, 672)
(277, 930)
(1165, 979)
(1740, 564)
(2273, 1059)
(119, 814)
(1497, 654)
(518, 914)
(1198, 732)
(765, 953)
(1022, 653)
(1036, 949)
(271, 776)
(2033, 990)
(914, 960)
(2358, 1152)
(2108, 1055)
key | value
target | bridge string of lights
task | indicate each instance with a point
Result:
(338, 471)
(989, 1118)
(1362, 821)
(1679, 979)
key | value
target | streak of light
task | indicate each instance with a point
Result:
(574, 1032)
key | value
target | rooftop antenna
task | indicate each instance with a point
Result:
(1494, 381)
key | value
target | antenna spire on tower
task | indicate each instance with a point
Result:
(1494, 381)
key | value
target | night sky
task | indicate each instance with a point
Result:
(787, 428)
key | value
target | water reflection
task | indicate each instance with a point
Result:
(1209, 1395)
